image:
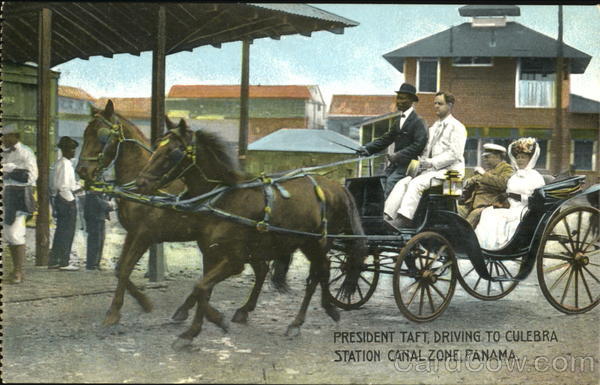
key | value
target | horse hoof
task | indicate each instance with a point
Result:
(180, 315)
(333, 313)
(282, 288)
(292, 331)
(224, 325)
(111, 320)
(181, 343)
(240, 317)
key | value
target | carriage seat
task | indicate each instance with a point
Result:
(555, 192)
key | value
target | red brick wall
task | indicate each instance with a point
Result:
(485, 97)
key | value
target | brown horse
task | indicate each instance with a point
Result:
(145, 225)
(305, 209)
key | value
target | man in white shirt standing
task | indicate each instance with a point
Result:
(65, 207)
(19, 166)
(444, 151)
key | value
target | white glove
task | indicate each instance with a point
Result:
(8, 167)
(479, 170)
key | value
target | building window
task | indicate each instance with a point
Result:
(583, 154)
(535, 82)
(472, 61)
(427, 75)
(542, 162)
(471, 150)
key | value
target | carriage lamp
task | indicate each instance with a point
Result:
(452, 184)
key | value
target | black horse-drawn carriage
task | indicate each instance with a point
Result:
(426, 261)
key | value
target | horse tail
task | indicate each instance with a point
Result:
(356, 248)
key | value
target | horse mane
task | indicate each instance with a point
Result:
(135, 128)
(212, 150)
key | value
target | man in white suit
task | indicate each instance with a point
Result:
(444, 151)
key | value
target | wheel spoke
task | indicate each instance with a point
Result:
(569, 233)
(430, 300)
(576, 288)
(560, 278)
(556, 267)
(589, 229)
(360, 292)
(589, 244)
(439, 292)
(415, 293)
(497, 275)
(557, 256)
(470, 271)
(365, 280)
(477, 283)
(587, 288)
(580, 213)
(422, 299)
(590, 273)
(567, 287)
(336, 278)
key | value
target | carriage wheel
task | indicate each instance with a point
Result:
(483, 289)
(367, 281)
(425, 277)
(568, 261)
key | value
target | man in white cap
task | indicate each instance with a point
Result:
(65, 206)
(488, 183)
(19, 166)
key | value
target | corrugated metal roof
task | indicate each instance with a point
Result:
(233, 91)
(362, 105)
(304, 140)
(74, 93)
(306, 11)
(85, 29)
(129, 107)
(489, 10)
(581, 105)
(513, 40)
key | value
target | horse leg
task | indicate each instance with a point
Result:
(260, 272)
(311, 284)
(326, 301)
(221, 271)
(133, 249)
(208, 262)
(279, 277)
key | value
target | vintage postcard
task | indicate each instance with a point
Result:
(202, 192)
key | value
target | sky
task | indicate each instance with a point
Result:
(351, 63)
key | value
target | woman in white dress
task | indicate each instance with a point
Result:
(498, 225)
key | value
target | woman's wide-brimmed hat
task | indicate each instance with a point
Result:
(523, 145)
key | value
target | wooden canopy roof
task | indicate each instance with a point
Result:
(84, 29)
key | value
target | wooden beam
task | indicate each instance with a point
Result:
(215, 20)
(238, 30)
(244, 104)
(156, 260)
(121, 34)
(42, 225)
(67, 14)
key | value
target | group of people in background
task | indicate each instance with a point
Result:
(19, 166)
(495, 198)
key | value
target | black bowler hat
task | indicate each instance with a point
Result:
(67, 142)
(406, 88)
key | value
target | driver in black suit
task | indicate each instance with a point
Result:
(408, 133)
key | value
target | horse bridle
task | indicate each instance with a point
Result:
(105, 135)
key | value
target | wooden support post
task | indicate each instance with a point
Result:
(244, 104)
(156, 261)
(42, 226)
(560, 141)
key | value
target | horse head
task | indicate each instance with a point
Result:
(181, 152)
(172, 156)
(100, 140)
